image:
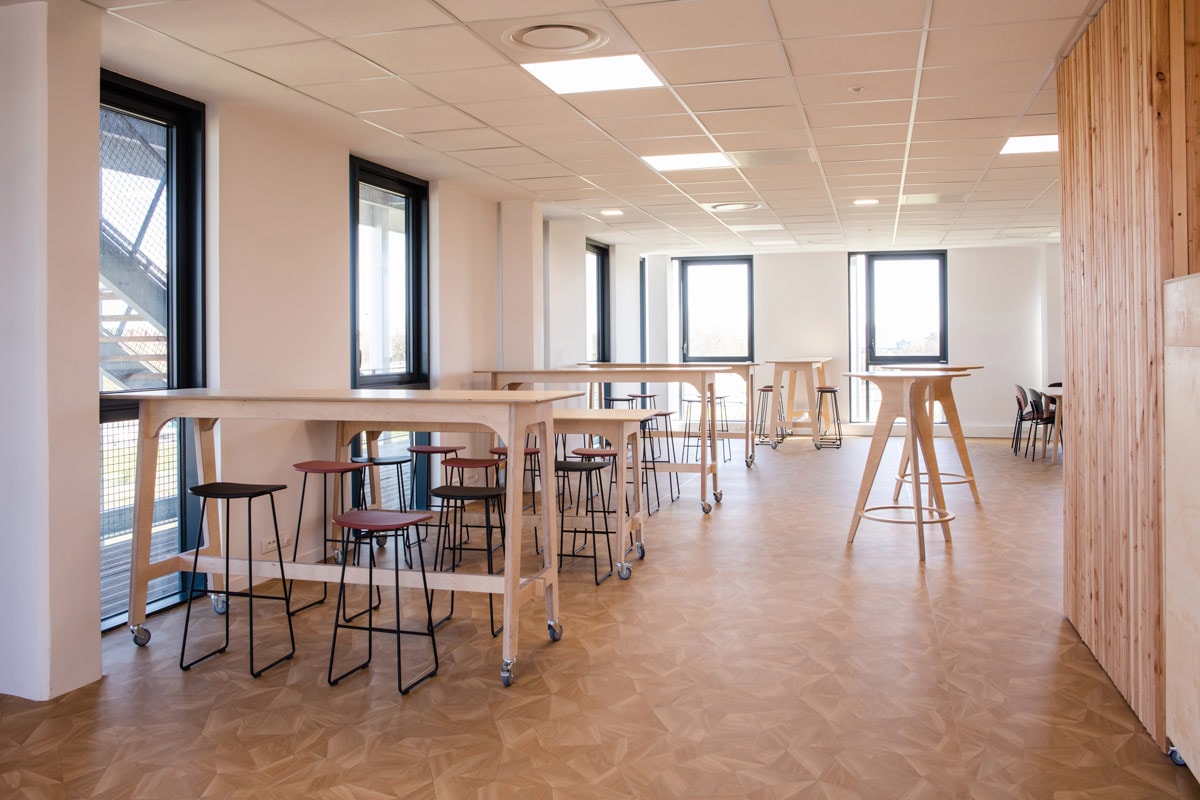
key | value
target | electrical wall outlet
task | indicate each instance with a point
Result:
(268, 546)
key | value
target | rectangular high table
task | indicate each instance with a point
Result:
(506, 414)
(743, 369)
(702, 379)
(616, 425)
(813, 370)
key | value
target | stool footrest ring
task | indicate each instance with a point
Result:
(929, 514)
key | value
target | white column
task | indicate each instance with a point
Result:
(522, 285)
(49, 223)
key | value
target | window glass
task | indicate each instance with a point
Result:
(717, 321)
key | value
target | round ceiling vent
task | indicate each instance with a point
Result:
(556, 38)
(734, 206)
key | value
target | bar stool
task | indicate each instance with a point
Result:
(374, 523)
(585, 470)
(426, 452)
(324, 469)
(760, 415)
(453, 503)
(235, 491)
(826, 439)
(387, 461)
(672, 476)
(533, 467)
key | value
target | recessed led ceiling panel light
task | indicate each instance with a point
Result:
(1031, 144)
(612, 212)
(688, 161)
(594, 74)
(866, 201)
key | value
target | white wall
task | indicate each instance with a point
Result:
(566, 322)
(522, 284)
(278, 296)
(50, 573)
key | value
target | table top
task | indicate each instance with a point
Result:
(603, 414)
(1056, 392)
(905, 375)
(666, 364)
(802, 360)
(931, 367)
(460, 396)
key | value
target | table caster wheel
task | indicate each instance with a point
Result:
(140, 634)
(641, 548)
(1176, 757)
(338, 557)
(555, 628)
(749, 462)
(506, 671)
(220, 603)
(774, 445)
(381, 542)
(624, 571)
(706, 507)
(718, 495)
(817, 445)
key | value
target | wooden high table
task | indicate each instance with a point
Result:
(904, 393)
(616, 425)
(743, 369)
(506, 414)
(702, 379)
(941, 392)
(813, 370)
(1056, 427)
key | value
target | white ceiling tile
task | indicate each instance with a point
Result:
(883, 167)
(377, 94)
(782, 118)
(939, 176)
(565, 182)
(702, 175)
(645, 191)
(414, 52)
(626, 103)
(966, 79)
(697, 23)
(565, 152)
(806, 18)
(354, 17)
(776, 184)
(769, 140)
(849, 181)
(957, 147)
(627, 179)
(219, 26)
(1036, 125)
(971, 106)
(511, 172)
(470, 139)
(794, 172)
(996, 43)
(480, 85)
(937, 163)
(981, 128)
(418, 120)
(885, 112)
(872, 134)
(884, 51)
(591, 167)
(472, 10)
(1046, 102)
(958, 15)
(869, 87)
(651, 127)
(859, 152)
(708, 187)
(547, 133)
(729, 95)
(522, 111)
(307, 62)
(671, 145)
(715, 64)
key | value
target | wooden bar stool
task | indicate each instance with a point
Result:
(235, 491)
(374, 523)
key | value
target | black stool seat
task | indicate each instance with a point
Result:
(587, 471)
(383, 461)
(226, 490)
(383, 522)
(468, 493)
(580, 466)
(829, 438)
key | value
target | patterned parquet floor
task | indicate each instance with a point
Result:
(753, 654)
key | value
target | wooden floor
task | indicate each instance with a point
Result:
(752, 655)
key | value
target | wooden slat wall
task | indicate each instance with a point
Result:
(1120, 234)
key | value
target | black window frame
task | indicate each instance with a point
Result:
(603, 300)
(943, 340)
(416, 192)
(684, 344)
(186, 364)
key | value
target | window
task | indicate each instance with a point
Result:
(151, 313)
(717, 296)
(897, 316)
(389, 224)
(596, 302)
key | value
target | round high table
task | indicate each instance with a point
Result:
(904, 394)
(941, 392)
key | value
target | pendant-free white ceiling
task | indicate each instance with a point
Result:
(817, 103)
